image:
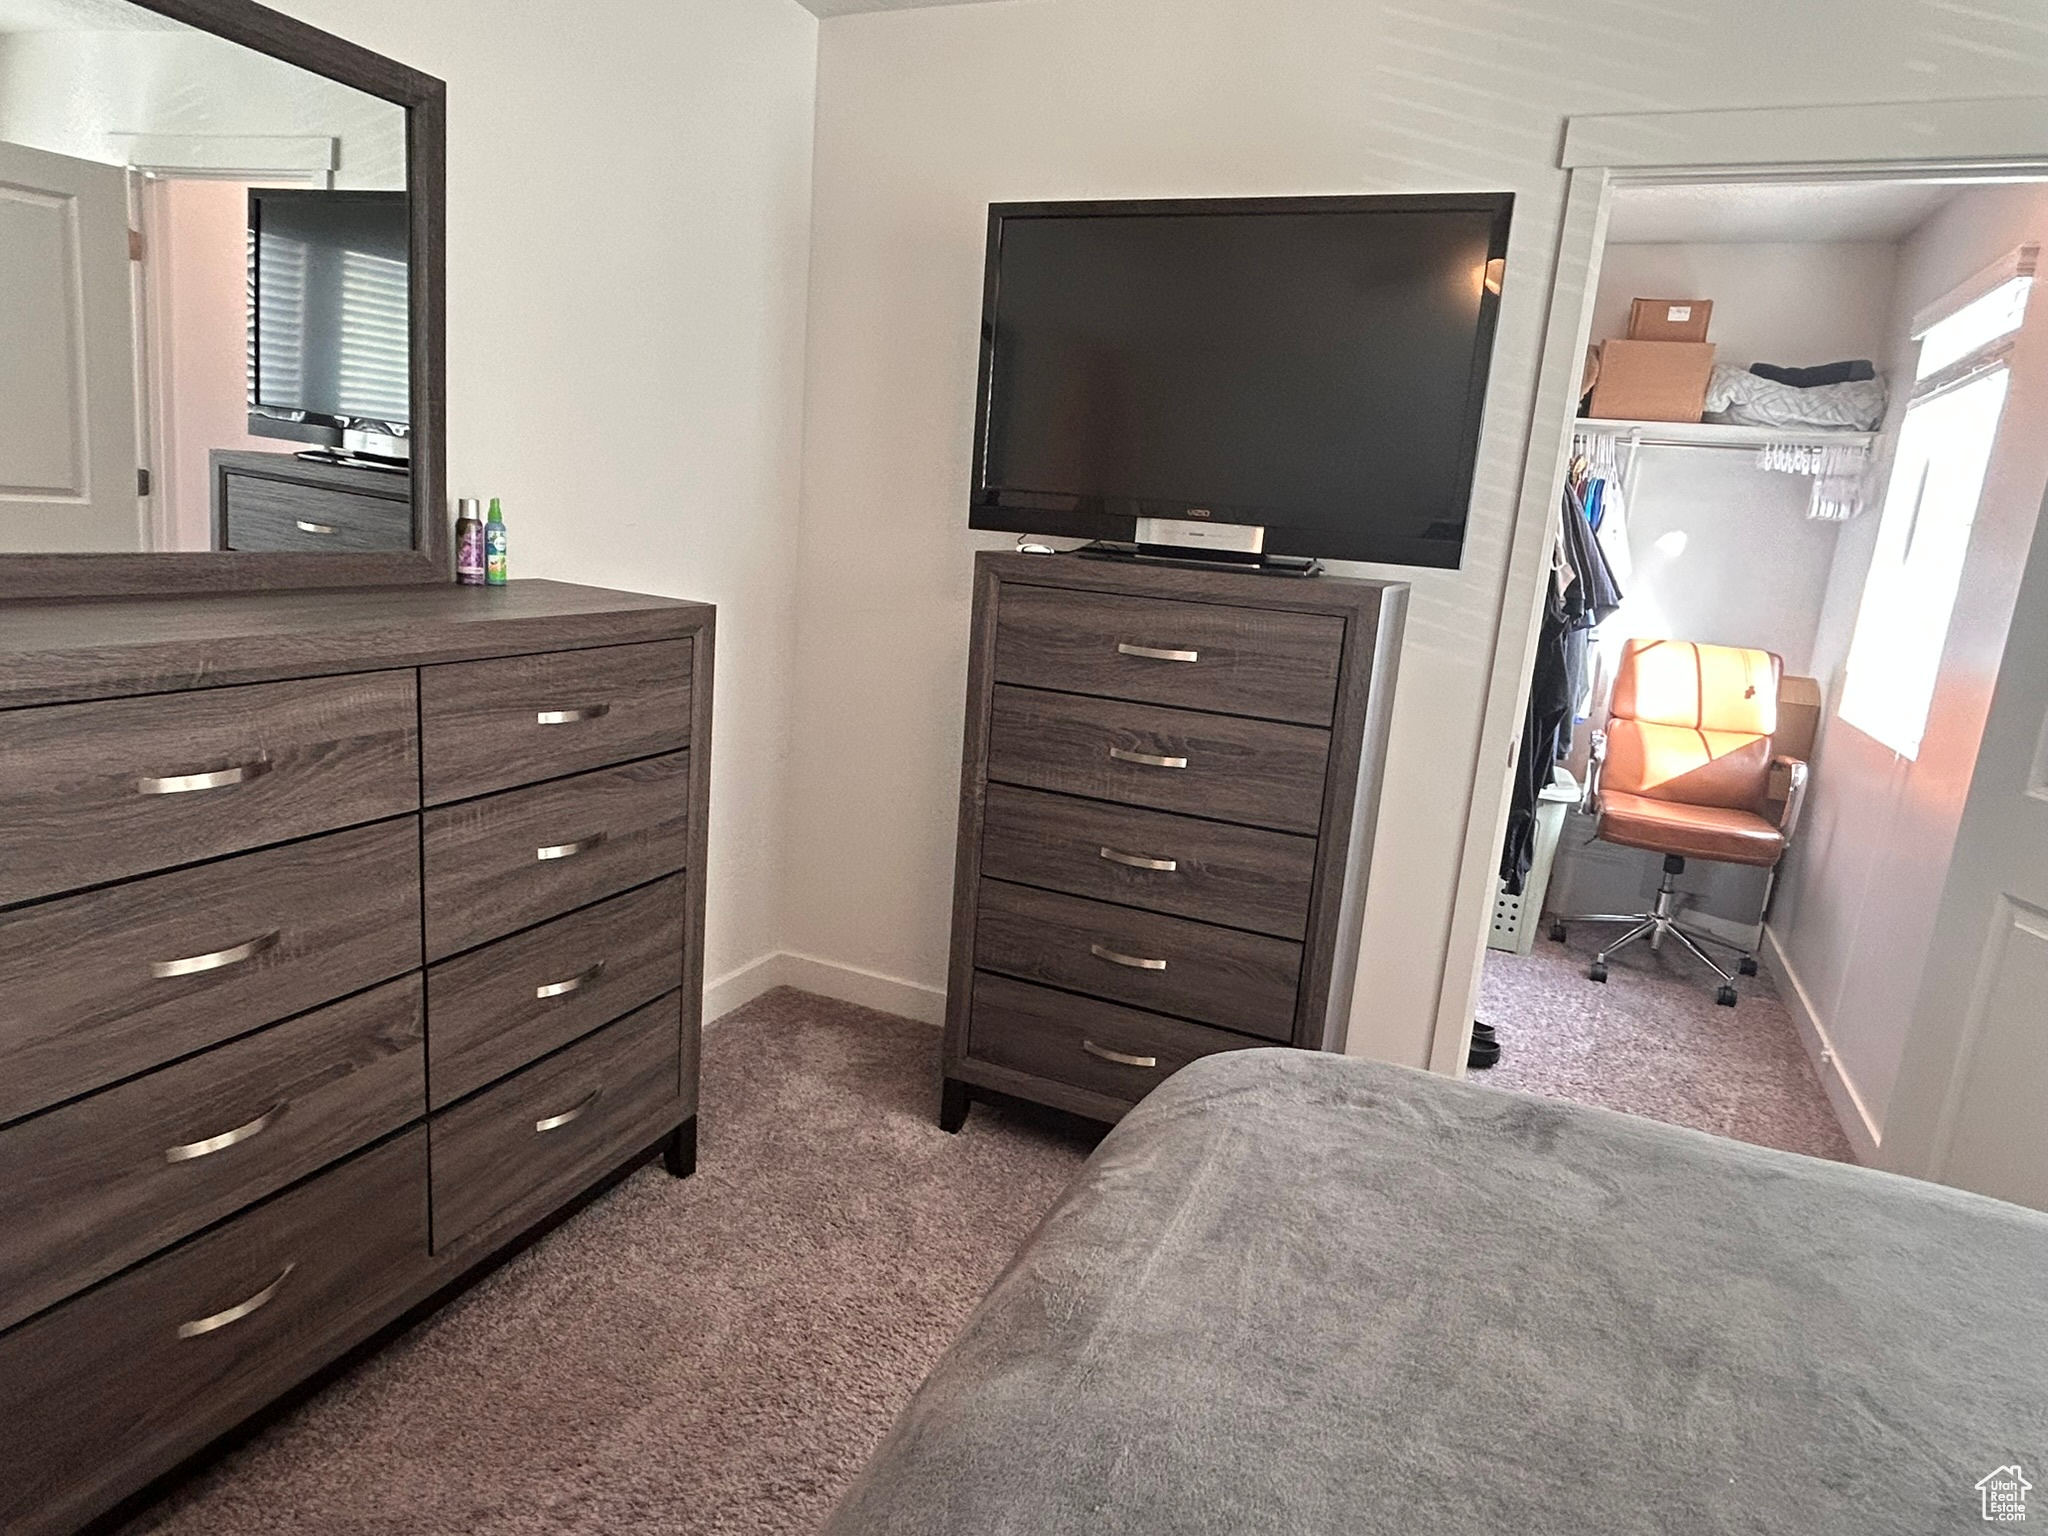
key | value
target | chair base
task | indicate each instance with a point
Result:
(1661, 922)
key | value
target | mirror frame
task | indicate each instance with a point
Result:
(169, 573)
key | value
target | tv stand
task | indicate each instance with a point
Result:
(285, 502)
(344, 460)
(1257, 565)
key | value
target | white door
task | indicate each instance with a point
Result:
(67, 394)
(1971, 1106)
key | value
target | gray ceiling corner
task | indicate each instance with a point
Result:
(828, 8)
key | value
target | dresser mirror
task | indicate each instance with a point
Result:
(220, 320)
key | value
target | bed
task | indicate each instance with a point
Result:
(1298, 1293)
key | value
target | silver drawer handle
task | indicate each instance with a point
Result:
(1135, 962)
(556, 1122)
(219, 778)
(1121, 1058)
(572, 716)
(1147, 759)
(570, 850)
(574, 983)
(1155, 653)
(234, 954)
(1139, 861)
(306, 527)
(225, 1139)
(239, 1310)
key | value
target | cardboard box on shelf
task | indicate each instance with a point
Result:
(1798, 717)
(1669, 319)
(1652, 380)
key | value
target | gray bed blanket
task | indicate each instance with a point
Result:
(1298, 1293)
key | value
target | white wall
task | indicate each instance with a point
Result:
(1724, 554)
(925, 116)
(1859, 896)
(628, 238)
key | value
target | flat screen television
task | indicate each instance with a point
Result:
(330, 341)
(1296, 376)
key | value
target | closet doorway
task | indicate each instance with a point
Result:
(1810, 457)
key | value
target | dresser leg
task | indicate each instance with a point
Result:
(679, 1152)
(953, 1103)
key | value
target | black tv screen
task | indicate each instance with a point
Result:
(1315, 366)
(329, 280)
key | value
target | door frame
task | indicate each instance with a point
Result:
(152, 160)
(1997, 138)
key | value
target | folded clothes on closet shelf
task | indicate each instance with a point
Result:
(1741, 398)
(1854, 371)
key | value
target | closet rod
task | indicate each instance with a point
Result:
(1716, 434)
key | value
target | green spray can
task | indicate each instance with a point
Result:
(494, 547)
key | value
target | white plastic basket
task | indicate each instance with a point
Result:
(1516, 918)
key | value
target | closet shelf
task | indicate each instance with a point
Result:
(1715, 434)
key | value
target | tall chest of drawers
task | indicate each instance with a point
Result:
(1169, 785)
(345, 939)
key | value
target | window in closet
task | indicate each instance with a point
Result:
(1944, 449)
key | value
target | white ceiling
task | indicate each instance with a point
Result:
(81, 16)
(854, 7)
(1760, 213)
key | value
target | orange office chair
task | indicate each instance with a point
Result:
(1686, 768)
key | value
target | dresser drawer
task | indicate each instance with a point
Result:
(1120, 1053)
(93, 792)
(487, 725)
(499, 1007)
(1244, 877)
(121, 1383)
(515, 1151)
(1240, 661)
(510, 860)
(109, 983)
(1255, 772)
(265, 514)
(90, 1188)
(1243, 981)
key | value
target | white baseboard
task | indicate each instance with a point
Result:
(1855, 1117)
(827, 978)
(870, 989)
(1726, 929)
(736, 988)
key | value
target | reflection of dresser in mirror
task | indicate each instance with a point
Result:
(281, 502)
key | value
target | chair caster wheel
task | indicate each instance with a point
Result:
(1747, 965)
(1597, 970)
(1557, 933)
(1725, 997)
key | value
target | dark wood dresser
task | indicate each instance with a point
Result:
(281, 503)
(344, 938)
(1168, 790)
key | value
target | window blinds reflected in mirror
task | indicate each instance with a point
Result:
(277, 326)
(374, 356)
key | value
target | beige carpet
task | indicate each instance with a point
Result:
(1652, 1042)
(717, 1354)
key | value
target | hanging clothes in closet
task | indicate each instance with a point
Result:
(1582, 592)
